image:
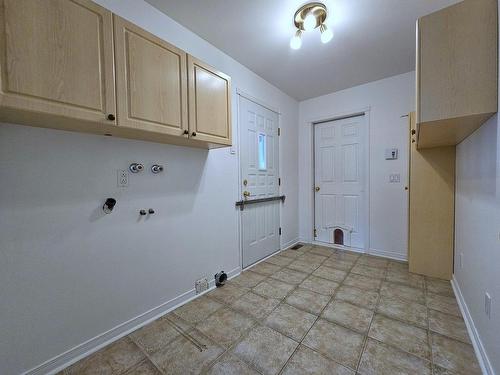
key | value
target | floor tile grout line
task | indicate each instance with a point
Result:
(148, 357)
(317, 318)
(359, 259)
(429, 337)
(244, 335)
(366, 337)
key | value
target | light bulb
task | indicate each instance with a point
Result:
(326, 34)
(310, 22)
(296, 41)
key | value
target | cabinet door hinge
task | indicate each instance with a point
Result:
(279, 132)
(279, 231)
(315, 235)
(279, 181)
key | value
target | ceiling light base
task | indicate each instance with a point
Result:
(318, 10)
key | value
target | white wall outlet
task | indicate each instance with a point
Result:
(122, 177)
(487, 305)
(201, 285)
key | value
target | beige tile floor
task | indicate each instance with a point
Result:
(314, 310)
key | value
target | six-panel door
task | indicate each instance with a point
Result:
(57, 58)
(151, 81)
(209, 103)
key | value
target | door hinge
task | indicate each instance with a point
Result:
(279, 231)
(279, 181)
(279, 132)
(315, 234)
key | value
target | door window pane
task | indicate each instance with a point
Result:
(262, 152)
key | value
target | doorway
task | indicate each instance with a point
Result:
(340, 182)
(259, 161)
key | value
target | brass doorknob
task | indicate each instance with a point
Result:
(246, 193)
(316, 188)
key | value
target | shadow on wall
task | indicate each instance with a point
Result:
(483, 178)
(57, 168)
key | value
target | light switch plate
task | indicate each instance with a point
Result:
(394, 178)
(391, 153)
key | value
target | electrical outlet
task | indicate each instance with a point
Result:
(487, 304)
(122, 177)
(201, 285)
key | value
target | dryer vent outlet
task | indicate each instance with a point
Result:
(220, 279)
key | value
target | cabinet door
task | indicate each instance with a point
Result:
(57, 58)
(209, 103)
(151, 81)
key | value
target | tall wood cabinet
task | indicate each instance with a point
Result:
(432, 209)
(57, 61)
(59, 65)
(456, 71)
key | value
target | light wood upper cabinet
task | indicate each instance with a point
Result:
(209, 103)
(56, 60)
(456, 71)
(151, 81)
(61, 61)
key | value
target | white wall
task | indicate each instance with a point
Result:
(68, 274)
(477, 230)
(477, 235)
(388, 100)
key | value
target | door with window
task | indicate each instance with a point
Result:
(339, 159)
(259, 179)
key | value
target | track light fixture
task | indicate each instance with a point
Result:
(307, 18)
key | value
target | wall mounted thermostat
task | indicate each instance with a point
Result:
(391, 153)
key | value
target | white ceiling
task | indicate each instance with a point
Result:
(373, 39)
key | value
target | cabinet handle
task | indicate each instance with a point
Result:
(186, 132)
(193, 134)
(111, 117)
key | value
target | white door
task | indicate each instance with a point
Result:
(259, 179)
(339, 158)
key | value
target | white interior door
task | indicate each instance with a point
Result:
(340, 180)
(259, 178)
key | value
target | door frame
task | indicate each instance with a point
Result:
(242, 94)
(365, 111)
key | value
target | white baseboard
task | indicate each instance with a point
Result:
(289, 244)
(388, 254)
(481, 355)
(73, 355)
(336, 246)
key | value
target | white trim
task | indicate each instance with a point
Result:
(63, 360)
(481, 354)
(366, 112)
(388, 254)
(340, 247)
(257, 101)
